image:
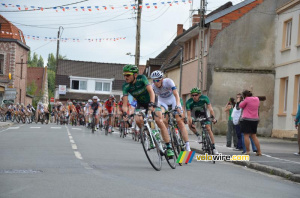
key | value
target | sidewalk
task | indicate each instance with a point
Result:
(278, 156)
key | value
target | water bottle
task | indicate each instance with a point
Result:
(156, 134)
(176, 131)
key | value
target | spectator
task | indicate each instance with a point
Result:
(297, 125)
(231, 134)
(236, 114)
(250, 119)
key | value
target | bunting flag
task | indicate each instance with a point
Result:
(90, 8)
(38, 38)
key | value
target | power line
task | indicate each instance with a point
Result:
(158, 16)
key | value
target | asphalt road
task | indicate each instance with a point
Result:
(64, 161)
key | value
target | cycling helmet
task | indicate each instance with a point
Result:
(98, 100)
(196, 90)
(157, 74)
(130, 68)
(70, 103)
(95, 97)
(112, 96)
(40, 103)
(90, 100)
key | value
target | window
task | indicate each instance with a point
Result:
(283, 96)
(299, 32)
(1, 64)
(98, 86)
(287, 34)
(102, 86)
(196, 47)
(79, 85)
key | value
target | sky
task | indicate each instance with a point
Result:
(158, 27)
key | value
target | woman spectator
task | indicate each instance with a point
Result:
(231, 134)
(250, 119)
(297, 125)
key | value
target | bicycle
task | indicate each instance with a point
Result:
(106, 125)
(206, 141)
(93, 122)
(175, 135)
(152, 144)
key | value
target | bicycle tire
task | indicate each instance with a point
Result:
(156, 161)
(176, 144)
(171, 161)
(18, 119)
(209, 147)
(93, 124)
(106, 129)
(121, 132)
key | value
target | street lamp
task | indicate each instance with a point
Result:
(129, 54)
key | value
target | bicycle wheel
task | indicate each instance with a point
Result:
(121, 132)
(152, 153)
(106, 129)
(209, 146)
(93, 124)
(171, 160)
(18, 119)
(176, 144)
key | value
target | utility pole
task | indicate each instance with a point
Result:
(202, 11)
(58, 40)
(138, 33)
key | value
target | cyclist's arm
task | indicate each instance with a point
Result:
(189, 117)
(175, 92)
(211, 111)
(151, 93)
(125, 103)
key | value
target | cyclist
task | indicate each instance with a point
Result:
(95, 108)
(196, 107)
(110, 108)
(86, 111)
(139, 87)
(168, 96)
(120, 110)
(40, 109)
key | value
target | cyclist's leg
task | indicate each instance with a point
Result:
(211, 135)
(159, 121)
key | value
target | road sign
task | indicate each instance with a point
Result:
(10, 94)
(62, 89)
(52, 101)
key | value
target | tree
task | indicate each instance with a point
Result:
(52, 61)
(31, 89)
(51, 83)
(40, 62)
(34, 60)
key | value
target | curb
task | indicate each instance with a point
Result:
(6, 124)
(263, 168)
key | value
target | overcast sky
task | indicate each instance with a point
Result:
(158, 27)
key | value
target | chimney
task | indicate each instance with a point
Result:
(179, 29)
(196, 19)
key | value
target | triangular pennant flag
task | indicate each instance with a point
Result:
(155, 5)
(82, 8)
(133, 6)
(75, 8)
(170, 3)
(147, 5)
(125, 6)
(89, 8)
(97, 7)
(104, 7)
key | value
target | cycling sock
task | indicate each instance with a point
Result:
(168, 146)
(187, 144)
(97, 125)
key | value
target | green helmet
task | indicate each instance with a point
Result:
(130, 68)
(196, 90)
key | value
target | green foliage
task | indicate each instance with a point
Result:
(40, 62)
(51, 62)
(51, 83)
(31, 89)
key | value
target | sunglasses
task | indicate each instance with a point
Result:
(127, 74)
(195, 95)
(156, 80)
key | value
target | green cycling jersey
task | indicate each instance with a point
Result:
(198, 108)
(138, 90)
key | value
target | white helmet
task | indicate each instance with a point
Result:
(90, 100)
(98, 100)
(157, 74)
(95, 97)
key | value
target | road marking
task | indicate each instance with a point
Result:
(55, 127)
(78, 155)
(74, 146)
(72, 141)
(35, 127)
(76, 129)
(13, 127)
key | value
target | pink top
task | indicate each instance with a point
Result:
(250, 107)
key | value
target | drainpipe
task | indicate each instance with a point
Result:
(180, 75)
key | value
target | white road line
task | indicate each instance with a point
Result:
(78, 155)
(74, 147)
(13, 127)
(55, 127)
(35, 127)
(72, 141)
(76, 129)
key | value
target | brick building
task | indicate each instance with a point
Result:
(13, 59)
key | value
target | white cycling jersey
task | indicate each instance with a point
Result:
(165, 93)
